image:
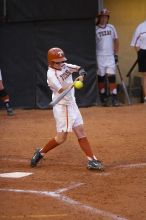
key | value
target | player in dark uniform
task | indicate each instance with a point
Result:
(139, 43)
(4, 97)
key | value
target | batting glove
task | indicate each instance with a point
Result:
(82, 72)
(116, 58)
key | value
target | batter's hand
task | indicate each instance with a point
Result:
(82, 72)
(116, 58)
(80, 78)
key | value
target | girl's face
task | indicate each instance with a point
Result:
(57, 65)
(103, 19)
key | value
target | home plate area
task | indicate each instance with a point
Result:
(15, 174)
(77, 205)
(58, 194)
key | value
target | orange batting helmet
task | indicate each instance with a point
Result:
(56, 54)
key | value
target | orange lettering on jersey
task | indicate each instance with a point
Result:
(65, 75)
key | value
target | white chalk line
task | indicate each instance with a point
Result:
(122, 166)
(128, 166)
(102, 174)
(57, 194)
(69, 187)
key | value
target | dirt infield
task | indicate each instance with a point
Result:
(61, 187)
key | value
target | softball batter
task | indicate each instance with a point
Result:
(66, 112)
(107, 46)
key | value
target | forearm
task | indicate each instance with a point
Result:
(137, 49)
(82, 74)
(116, 46)
(65, 87)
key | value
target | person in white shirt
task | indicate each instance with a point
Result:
(66, 111)
(107, 47)
(4, 97)
(139, 43)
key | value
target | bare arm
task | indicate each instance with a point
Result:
(137, 48)
(116, 46)
(82, 74)
(71, 84)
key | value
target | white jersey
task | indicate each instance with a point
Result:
(57, 79)
(105, 39)
(139, 37)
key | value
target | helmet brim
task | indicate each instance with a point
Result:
(59, 59)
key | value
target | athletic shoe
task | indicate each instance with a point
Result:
(10, 111)
(95, 165)
(104, 100)
(36, 158)
(115, 101)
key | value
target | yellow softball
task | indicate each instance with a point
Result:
(78, 84)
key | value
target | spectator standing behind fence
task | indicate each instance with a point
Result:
(139, 43)
(4, 97)
(107, 46)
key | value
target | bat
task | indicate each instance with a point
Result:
(58, 99)
(124, 86)
(131, 69)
